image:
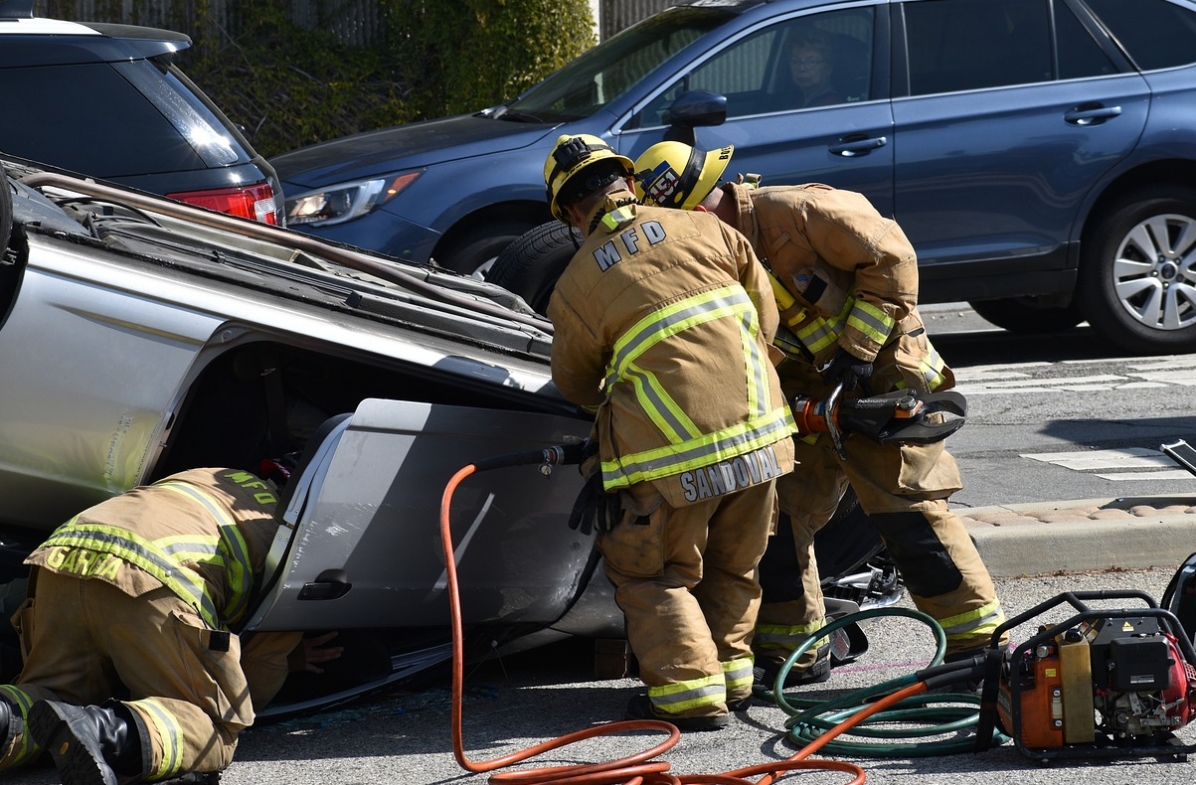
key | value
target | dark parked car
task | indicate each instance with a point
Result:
(107, 101)
(1040, 154)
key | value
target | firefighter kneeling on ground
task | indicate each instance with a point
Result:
(662, 324)
(131, 672)
(846, 282)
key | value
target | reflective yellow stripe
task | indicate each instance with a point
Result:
(706, 450)
(871, 321)
(660, 407)
(978, 623)
(672, 319)
(684, 696)
(140, 552)
(933, 369)
(785, 636)
(818, 333)
(689, 448)
(170, 733)
(25, 748)
(234, 555)
(738, 674)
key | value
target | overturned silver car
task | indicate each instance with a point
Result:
(140, 336)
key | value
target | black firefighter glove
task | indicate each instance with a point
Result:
(595, 509)
(847, 368)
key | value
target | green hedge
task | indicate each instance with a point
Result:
(290, 87)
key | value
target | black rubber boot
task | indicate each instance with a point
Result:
(764, 674)
(91, 745)
(640, 708)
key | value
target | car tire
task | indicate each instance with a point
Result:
(531, 266)
(474, 250)
(1134, 287)
(1023, 316)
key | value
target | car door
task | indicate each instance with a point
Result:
(361, 548)
(842, 137)
(1007, 112)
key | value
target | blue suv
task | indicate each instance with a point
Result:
(1040, 154)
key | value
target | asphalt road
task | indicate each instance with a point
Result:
(1062, 417)
(405, 736)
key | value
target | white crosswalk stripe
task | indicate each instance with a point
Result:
(1022, 378)
(1127, 458)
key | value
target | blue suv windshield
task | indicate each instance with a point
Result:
(604, 73)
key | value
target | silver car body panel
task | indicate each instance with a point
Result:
(366, 510)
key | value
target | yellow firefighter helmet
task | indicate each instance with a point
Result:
(573, 155)
(674, 174)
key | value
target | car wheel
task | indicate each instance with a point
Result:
(1023, 315)
(1138, 271)
(474, 250)
(531, 266)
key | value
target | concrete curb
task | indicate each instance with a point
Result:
(1094, 534)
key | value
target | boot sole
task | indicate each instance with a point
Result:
(78, 765)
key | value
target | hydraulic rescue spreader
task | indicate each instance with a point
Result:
(901, 416)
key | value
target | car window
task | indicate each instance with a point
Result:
(973, 44)
(811, 61)
(123, 133)
(182, 109)
(1079, 53)
(1157, 34)
(602, 74)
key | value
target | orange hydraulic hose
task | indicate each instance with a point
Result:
(632, 769)
(635, 769)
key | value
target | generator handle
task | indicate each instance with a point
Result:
(1168, 619)
(1075, 599)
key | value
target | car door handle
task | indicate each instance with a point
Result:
(857, 144)
(1091, 115)
(328, 585)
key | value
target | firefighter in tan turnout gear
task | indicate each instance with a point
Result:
(131, 672)
(846, 283)
(662, 324)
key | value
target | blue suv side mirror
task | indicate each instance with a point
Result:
(695, 108)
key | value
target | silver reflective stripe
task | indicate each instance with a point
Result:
(970, 625)
(662, 324)
(234, 552)
(703, 452)
(758, 395)
(671, 702)
(660, 406)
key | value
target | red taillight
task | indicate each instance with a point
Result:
(255, 202)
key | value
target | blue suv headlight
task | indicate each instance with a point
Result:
(344, 201)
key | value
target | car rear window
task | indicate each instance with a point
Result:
(1157, 34)
(107, 120)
